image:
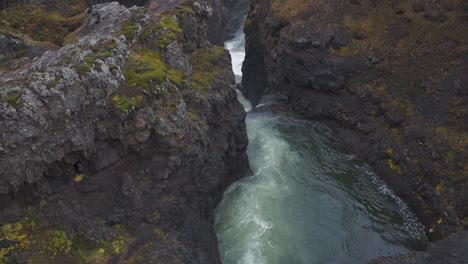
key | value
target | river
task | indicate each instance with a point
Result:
(308, 201)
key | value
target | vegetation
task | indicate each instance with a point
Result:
(159, 36)
(49, 22)
(129, 31)
(124, 103)
(51, 84)
(14, 99)
(144, 69)
(79, 177)
(43, 244)
(175, 76)
(394, 167)
(204, 66)
(286, 10)
(182, 10)
(193, 116)
(59, 243)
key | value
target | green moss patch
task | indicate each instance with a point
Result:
(204, 66)
(182, 10)
(193, 116)
(175, 76)
(41, 22)
(170, 23)
(394, 167)
(14, 99)
(161, 35)
(129, 31)
(32, 236)
(124, 103)
(144, 70)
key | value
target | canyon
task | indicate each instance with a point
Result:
(121, 129)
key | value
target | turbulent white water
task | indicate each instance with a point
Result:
(307, 201)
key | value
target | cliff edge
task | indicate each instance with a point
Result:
(389, 76)
(119, 131)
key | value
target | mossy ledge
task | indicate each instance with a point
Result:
(119, 147)
(205, 68)
(44, 244)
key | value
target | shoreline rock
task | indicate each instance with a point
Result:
(387, 78)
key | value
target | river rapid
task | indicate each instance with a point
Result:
(308, 201)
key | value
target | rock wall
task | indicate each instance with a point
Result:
(117, 146)
(389, 76)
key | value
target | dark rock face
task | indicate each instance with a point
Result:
(450, 250)
(10, 47)
(389, 76)
(127, 3)
(128, 163)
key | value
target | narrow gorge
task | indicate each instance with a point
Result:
(322, 132)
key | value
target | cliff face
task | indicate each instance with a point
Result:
(390, 76)
(117, 145)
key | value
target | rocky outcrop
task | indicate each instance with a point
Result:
(117, 146)
(450, 250)
(389, 76)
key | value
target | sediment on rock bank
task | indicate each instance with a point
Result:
(118, 139)
(389, 76)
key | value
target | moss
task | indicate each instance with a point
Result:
(394, 167)
(171, 24)
(144, 69)
(390, 151)
(175, 76)
(182, 11)
(82, 69)
(44, 22)
(204, 66)
(440, 187)
(102, 55)
(457, 139)
(129, 32)
(59, 243)
(51, 84)
(85, 252)
(22, 234)
(124, 104)
(290, 9)
(35, 239)
(193, 116)
(14, 99)
(79, 177)
(159, 36)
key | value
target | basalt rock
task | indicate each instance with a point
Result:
(116, 147)
(390, 76)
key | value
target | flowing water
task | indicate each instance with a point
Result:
(307, 201)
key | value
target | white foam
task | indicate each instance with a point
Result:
(411, 223)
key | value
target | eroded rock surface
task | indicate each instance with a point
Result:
(390, 76)
(117, 146)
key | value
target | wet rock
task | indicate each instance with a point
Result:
(450, 250)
